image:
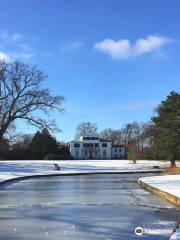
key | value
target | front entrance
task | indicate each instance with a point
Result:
(93, 153)
(90, 154)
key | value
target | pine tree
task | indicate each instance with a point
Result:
(43, 144)
(167, 125)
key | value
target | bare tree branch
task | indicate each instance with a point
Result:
(21, 95)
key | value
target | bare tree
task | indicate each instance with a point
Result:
(21, 96)
(133, 152)
(126, 133)
(111, 135)
(85, 128)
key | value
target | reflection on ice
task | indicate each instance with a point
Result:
(82, 207)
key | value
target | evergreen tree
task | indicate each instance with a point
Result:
(43, 144)
(4, 148)
(167, 127)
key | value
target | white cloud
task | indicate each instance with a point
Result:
(14, 47)
(123, 49)
(150, 44)
(72, 46)
(4, 57)
(117, 49)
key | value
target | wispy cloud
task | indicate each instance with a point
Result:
(138, 105)
(13, 46)
(16, 37)
(75, 45)
(124, 49)
(10, 37)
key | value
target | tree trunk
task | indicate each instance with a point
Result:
(1, 136)
(173, 163)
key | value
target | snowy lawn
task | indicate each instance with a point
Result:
(167, 183)
(11, 169)
(31, 166)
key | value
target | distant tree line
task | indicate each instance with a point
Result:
(41, 145)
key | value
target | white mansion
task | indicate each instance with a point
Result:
(90, 146)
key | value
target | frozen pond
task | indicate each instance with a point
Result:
(83, 207)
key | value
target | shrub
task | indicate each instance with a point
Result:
(58, 157)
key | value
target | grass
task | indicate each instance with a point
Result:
(170, 170)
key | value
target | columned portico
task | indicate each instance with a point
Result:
(90, 146)
(92, 153)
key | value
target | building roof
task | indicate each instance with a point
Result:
(103, 140)
(75, 141)
(90, 135)
(118, 145)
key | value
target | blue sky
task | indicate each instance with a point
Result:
(113, 60)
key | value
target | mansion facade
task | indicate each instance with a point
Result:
(91, 146)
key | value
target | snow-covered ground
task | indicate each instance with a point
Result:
(176, 235)
(169, 184)
(13, 169)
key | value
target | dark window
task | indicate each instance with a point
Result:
(76, 145)
(104, 144)
(104, 153)
(119, 150)
(86, 138)
(96, 144)
(88, 145)
(90, 138)
(115, 149)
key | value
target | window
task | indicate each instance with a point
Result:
(115, 156)
(115, 149)
(90, 138)
(119, 149)
(95, 153)
(104, 153)
(85, 138)
(88, 145)
(96, 144)
(76, 145)
(77, 154)
(85, 153)
(104, 144)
